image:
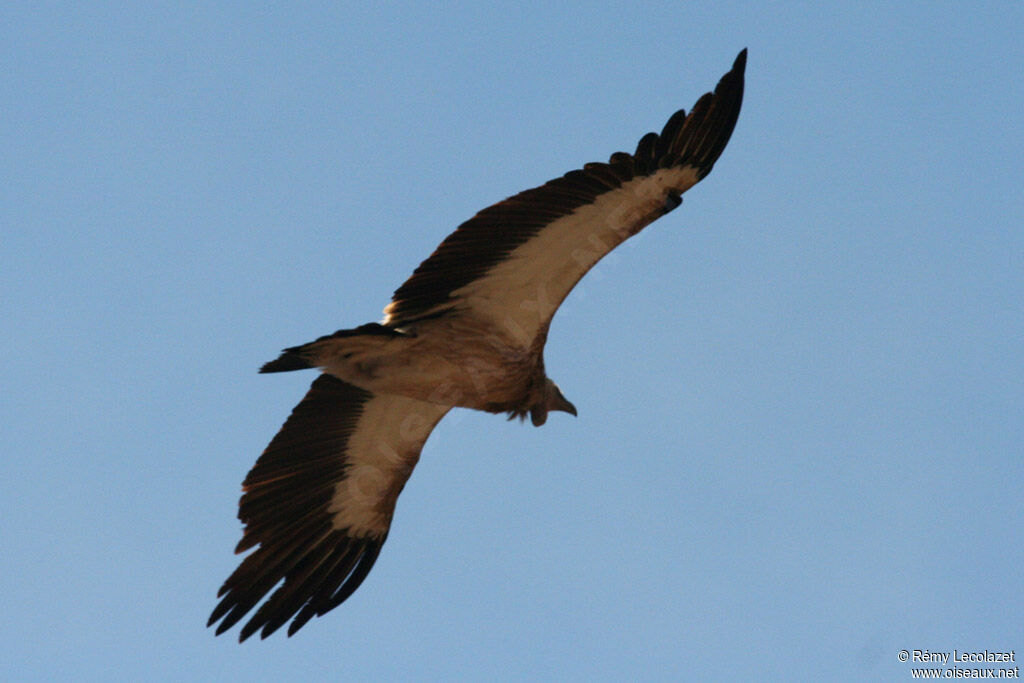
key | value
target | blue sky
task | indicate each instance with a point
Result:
(801, 395)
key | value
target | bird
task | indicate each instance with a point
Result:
(467, 329)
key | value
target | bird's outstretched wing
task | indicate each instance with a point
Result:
(513, 263)
(318, 503)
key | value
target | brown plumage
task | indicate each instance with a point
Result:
(466, 330)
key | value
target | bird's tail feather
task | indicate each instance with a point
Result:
(309, 355)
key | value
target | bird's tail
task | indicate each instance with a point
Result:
(315, 353)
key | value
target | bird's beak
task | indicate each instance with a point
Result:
(563, 404)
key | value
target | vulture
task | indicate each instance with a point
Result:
(467, 330)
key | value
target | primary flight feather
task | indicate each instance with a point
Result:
(466, 330)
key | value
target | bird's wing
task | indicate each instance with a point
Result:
(513, 263)
(319, 502)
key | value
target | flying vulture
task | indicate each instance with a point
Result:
(466, 330)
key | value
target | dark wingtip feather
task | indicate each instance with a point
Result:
(712, 133)
(740, 65)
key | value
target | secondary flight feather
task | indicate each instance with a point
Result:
(466, 330)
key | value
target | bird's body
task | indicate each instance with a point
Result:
(453, 361)
(467, 330)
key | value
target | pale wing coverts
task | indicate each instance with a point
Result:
(317, 506)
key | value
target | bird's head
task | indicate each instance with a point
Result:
(551, 399)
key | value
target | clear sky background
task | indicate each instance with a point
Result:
(801, 394)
